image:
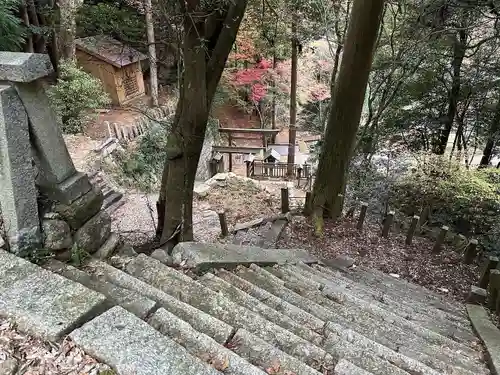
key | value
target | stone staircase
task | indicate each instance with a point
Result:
(295, 318)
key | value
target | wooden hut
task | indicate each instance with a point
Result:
(117, 66)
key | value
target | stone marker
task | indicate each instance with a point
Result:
(17, 179)
(206, 255)
(440, 239)
(493, 288)
(43, 303)
(470, 252)
(389, 219)
(362, 215)
(285, 201)
(131, 346)
(411, 231)
(223, 224)
(491, 263)
(24, 67)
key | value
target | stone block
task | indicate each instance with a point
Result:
(108, 247)
(92, 235)
(24, 67)
(42, 303)
(200, 255)
(162, 256)
(476, 295)
(17, 180)
(131, 346)
(80, 210)
(49, 146)
(69, 190)
(56, 235)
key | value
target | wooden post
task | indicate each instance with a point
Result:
(339, 202)
(285, 204)
(389, 219)
(223, 224)
(491, 263)
(411, 231)
(440, 239)
(230, 141)
(470, 252)
(308, 204)
(362, 215)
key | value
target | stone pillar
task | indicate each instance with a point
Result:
(18, 197)
(58, 176)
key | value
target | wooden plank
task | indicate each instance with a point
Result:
(249, 130)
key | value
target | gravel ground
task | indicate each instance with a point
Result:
(35, 357)
(443, 272)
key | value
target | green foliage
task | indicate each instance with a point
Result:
(466, 200)
(78, 256)
(12, 32)
(75, 95)
(121, 23)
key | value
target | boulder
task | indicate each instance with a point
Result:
(162, 256)
(56, 234)
(201, 190)
(82, 209)
(92, 235)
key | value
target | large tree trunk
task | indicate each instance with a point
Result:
(292, 130)
(208, 39)
(456, 65)
(492, 139)
(153, 76)
(347, 103)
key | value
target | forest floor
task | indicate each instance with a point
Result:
(443, 272)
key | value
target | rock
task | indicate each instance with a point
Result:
(63, 256)
(8, 367)
(341, 262)
(220, 177)
(2, 243)
(107, 249)
(201, 190)
(132, 346)
(177, 258)
(162, 256)
(126, 250)
(56, 234)
(42, 303)
(477, 295)
(82, 209)
(93, 233)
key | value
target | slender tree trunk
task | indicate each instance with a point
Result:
(28, 46)
(273, 104)
(493, 134)
(456, 64)
(347, 102)
(67, 11)
(293, 99)
(153, 70)
(208, 39)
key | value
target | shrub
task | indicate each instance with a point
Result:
(465, 200)
(75, 96)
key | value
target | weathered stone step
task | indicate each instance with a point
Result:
(347, 368)
(348, 298)
(405, 289)
(393, 295)
(219, 285)
(43, 303)
(131, 346)
(399, 305)
(131, 301)
(386, 334)
(176, 283)
(200, 345)
(111, 199)
(267, 356)
(198, 319)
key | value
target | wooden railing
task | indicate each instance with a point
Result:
(277, 170)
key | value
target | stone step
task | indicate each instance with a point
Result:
(111, 199)
(347, 368)
(348, 298)
(115, 206)
(199, 320)
(131, 301)
(405, 289)
(131, 346)
(216, 304)
(200, 345)
(240, 297)
(399, 305)
(386, 334)
(43, 303)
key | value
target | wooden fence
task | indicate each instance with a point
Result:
(277, 170)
